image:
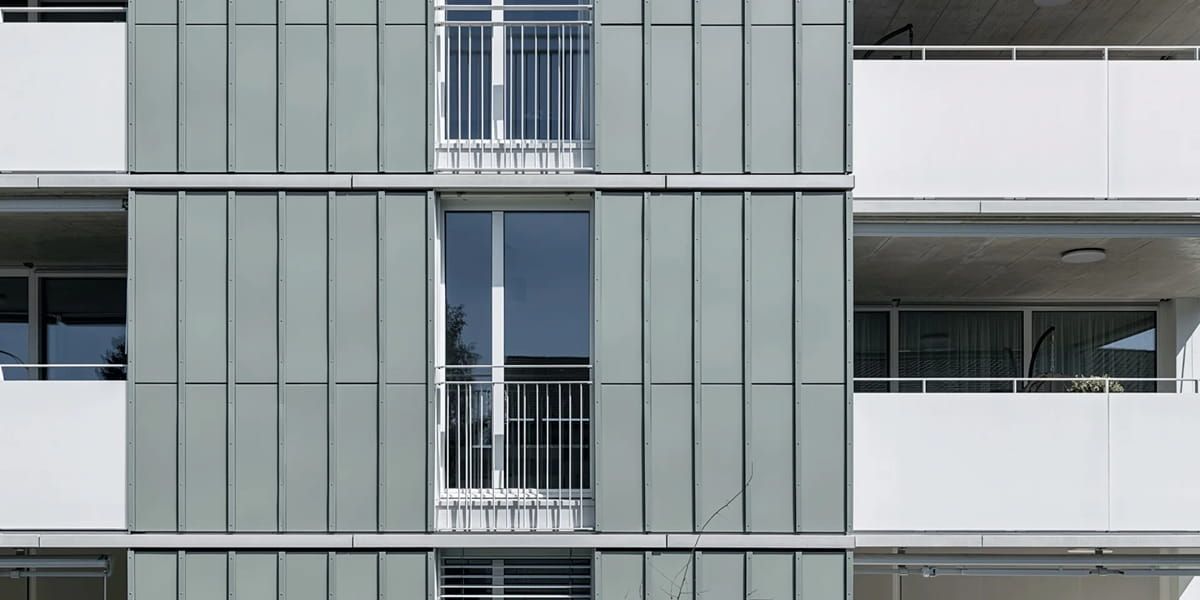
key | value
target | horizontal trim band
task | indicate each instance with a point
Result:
(64, 182)
(636, 541)
(1016, 207)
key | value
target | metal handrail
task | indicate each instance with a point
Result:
(1014, 51)
(73, 9)
(27, 367)
(1108, 380)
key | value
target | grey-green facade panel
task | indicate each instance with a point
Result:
(721, 575)
(269, 575)
(719, 361)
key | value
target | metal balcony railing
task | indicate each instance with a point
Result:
(106, 11)
(990, 52)
(514, 455)
(513, 88)
(1099, 385)
(88, 371)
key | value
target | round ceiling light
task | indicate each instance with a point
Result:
(1051, 3)
(1080, 256)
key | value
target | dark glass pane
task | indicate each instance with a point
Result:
(468, 274)
(548, 80)
(468, 54)
(83, 321)
(547, 293)
(871, 350)
(1095, 344)
(961, 344)
(14, 326)
(548, 436)
(468, 435)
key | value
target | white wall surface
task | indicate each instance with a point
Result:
(881, 587)
(1026, 129)
(62, 100)
(62, 445)
(1026, 462)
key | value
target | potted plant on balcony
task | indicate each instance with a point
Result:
(1092, 384)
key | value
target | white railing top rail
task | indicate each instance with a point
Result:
(1017, 52)
(27, 367)
(1107, 381)
(499, 14)
(79, 8)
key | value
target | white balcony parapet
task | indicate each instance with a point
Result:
(513, 89)
(62, 105)
(1026, 122)
(514, 455)
(1027, 461)
(65, 448)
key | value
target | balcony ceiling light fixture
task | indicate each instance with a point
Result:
(1051, 3)
(1080, 256)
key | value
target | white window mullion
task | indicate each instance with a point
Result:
(499, 422)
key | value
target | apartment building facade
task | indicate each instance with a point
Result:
(462, 300)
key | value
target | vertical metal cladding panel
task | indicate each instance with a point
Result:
(306, 12)
(154, 438)
(771, 294)
(354, 12)
(304, 305)
(619, 12)
(303, 481)
(619, 283)
(202, 221)
(354, 103)
(618, 455)
(403, 12)
(405, 316)
(202, 480)
(770, 460)
(254, 101)
(254, 248)
(670, 12)
(771, 134)
(255, 12)
(669, 100)
(405, 576)
(304, 98)
(353, 480)
(404, 458)
(669, 483)
(354, 294)
(670, 575)
(203, 576)
(822, 12)
(405, 113)
(304, 576)
(720, 93)
(821, 459)
(154, 97)
(255, 465)
(204, 12)
(821, 297)
(771, 575)
(355, 577)
(253, 576)
(720, 480)
(722, 576)
(720, 12)
(154, 226)
(720, 287)
(821, 74)
(669, 289)
(202, 108)
(153, 576)
(772, 12)
(821, 576)
(619, 576)
(154, 12)
(619, 89)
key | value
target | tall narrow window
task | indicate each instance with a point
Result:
(515, 407)
(14, 326)
(871, 350)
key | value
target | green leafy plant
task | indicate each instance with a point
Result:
(1095, 385)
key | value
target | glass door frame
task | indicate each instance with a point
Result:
(497, 205)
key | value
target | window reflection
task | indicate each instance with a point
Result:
(14, 325)
(1096, 344)
(83, 322)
